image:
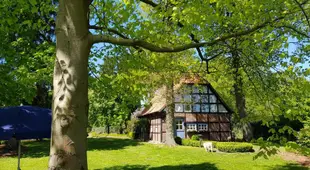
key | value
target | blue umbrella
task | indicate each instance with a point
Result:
(25, 122)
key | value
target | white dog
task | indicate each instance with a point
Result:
(208, 146)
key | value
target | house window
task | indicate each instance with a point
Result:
(177, 98)
(202, 127)
(196, 89)
(191, 127)
(196, 108)
(212, 99)
(187, 108)
(205, 89)
(187, 98)
(178, 124)
(196, 98)
(205, 108)
(213, 108)
(210, 91)
(222, 109)
(187, 89)
(178, 107)
(204, 99)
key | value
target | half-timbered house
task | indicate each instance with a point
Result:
(198, 110)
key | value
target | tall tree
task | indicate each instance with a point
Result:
(124, 23)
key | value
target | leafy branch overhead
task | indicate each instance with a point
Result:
(197, 41)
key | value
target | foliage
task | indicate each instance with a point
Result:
(137, 128)
(190, 142)
(234, 147)
(303, 137)
(195, 137)
(296, 148)
(27, 50)
(178, 140)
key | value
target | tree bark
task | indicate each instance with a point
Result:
(247, 129)
(70, 97)
(170, 125)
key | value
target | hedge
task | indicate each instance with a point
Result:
(234, 147)
(195, 137)
(189, 142)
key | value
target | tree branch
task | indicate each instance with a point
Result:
(157, 48)
(294, 29)
(108, 29)
(149, 2)
(141, 43)
(303, 11)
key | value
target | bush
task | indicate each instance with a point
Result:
(138, 128)
(131, 135)
(189, 142)
(234, 147)
(296, 148)
(303, 138)
(195, 137)
(178, 140)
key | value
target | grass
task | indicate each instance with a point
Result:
(120, 153)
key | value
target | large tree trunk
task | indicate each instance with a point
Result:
(170, 125)
(70, 97)
(247, 129)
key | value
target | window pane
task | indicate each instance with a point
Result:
(187, 98)
(195, 89)
(191, 127)
(204, 99)
(205, 107)
(196, 98)
(177, 98)
(222, 109)
(187, 89)
(210, 91)
(178, 108)
(188, 108)
(196, 108)
(213, 108)
(212, 99)
(203, 127)
(205, 89)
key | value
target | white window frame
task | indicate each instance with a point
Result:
(191, 127)
(203, 127)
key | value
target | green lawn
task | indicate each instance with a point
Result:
(120, 153)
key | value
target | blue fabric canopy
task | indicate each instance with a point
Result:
(25, 122)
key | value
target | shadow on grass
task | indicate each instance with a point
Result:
(110, 143)
(201, 166)
(37, 149)
(289, 166)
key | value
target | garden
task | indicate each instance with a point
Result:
(119, 152)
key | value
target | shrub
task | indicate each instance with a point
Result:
(195, 137)
(189, 142)
(234, 147)
(138, 128)
(131, 135)
(303, 138)
(296, 148)
(178, 140)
